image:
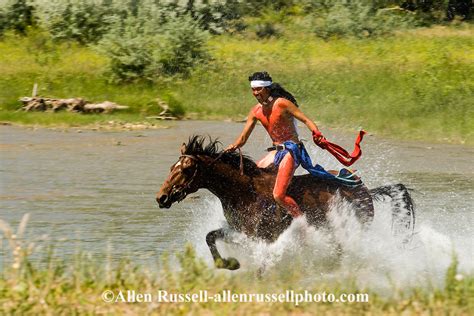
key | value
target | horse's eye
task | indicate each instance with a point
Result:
(187, 171)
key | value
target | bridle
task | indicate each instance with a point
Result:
(181, 190)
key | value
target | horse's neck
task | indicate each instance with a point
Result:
(227, 183)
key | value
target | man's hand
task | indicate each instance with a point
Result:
(318, 137)
(231, 147)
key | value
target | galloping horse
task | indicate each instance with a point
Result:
(247, 198)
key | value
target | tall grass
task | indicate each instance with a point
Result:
(414, 85)
(74, 286)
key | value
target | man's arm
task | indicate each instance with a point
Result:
(242, 139)
(299, 115)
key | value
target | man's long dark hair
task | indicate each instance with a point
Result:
(276, 90)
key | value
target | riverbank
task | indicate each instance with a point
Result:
(81, 287)
(416, 85)
(65, 121)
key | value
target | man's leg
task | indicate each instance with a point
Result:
(267, 160)
(286, 170)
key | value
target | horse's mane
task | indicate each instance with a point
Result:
(195, 146)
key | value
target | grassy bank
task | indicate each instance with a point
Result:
(65, 120)
(76, 287)
(36, 281)
(415, 85)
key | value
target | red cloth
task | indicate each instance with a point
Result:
(337, 151)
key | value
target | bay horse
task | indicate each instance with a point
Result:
(247, 198)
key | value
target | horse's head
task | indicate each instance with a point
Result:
(197, 167)
(181, 181)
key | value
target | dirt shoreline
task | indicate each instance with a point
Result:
(108, 126)
(122, 126)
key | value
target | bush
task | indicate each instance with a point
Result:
(82, 21)
(183, 47)
(3, 22)
(18, 17)
(359, 19)
(216, 16)
(266, 29)
(142, 50)
(129, 50)
(176, 108)
(269, 23)
(255, 7)
(462, 8)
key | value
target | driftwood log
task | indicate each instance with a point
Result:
(70, 105)
(165, 113)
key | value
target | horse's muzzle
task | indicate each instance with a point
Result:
(164, 201)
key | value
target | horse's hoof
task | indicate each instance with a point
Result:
(229, 263)
(232, 263)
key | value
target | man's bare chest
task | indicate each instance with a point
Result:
(272, 116)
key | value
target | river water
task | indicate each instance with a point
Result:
(96, 190)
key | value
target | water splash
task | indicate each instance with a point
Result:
(372, 256)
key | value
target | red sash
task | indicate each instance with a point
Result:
(340, 153)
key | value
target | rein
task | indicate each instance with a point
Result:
(241, 167)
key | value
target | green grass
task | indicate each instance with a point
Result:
(75, 286)
(415, 85)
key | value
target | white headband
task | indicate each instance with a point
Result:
(260, 83)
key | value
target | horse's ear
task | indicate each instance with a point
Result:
(183, 148)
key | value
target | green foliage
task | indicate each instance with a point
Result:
(18, 16)
(359, 19)
(269, 23)
(183, 47)
(256, 7)
(141, 50)
(82, 21)
(451, 281)
(129, 51)
(194, 272)
(216, 17)
(42, 47)
(3, 22)
(176, 107)
(87, 21)
(402, 86)
(458, 287)
(266, 29)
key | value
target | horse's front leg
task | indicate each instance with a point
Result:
(221, 263)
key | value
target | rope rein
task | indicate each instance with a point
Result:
(241, 163)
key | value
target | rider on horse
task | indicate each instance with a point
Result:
(277, 110)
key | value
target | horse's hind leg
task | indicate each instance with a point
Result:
(221, 263)
(403, 209)
(403, 213)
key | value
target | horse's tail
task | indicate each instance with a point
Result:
(403, 208)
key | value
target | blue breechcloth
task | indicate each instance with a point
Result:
(301, 157)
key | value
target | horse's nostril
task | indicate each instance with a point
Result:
(162, 199)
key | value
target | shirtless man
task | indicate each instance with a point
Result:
(276, 111)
